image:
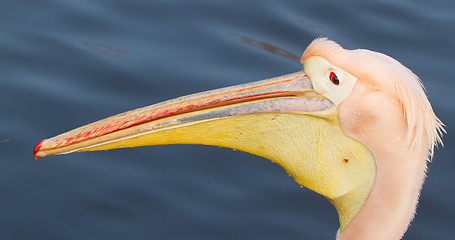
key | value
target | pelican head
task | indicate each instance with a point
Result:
(354, 126)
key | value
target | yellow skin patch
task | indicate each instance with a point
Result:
(312, 149)
(318, 69)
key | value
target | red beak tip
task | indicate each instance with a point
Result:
(36, 149)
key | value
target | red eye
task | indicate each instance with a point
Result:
(334, 79)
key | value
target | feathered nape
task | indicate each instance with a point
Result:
(422, 123)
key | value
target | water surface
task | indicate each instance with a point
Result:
(67, 63)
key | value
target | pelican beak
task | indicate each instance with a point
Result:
(281, 119)
(290, 93)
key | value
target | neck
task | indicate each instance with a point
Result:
(391, 204)
(400, 172)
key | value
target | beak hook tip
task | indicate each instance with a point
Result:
(36, 153)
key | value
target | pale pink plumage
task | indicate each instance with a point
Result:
(389, 113)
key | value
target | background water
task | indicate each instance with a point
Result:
(67, 63)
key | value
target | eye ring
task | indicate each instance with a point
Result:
(334, 79)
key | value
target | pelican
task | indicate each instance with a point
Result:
(354, 126)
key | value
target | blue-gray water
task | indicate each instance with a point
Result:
(67, 63)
